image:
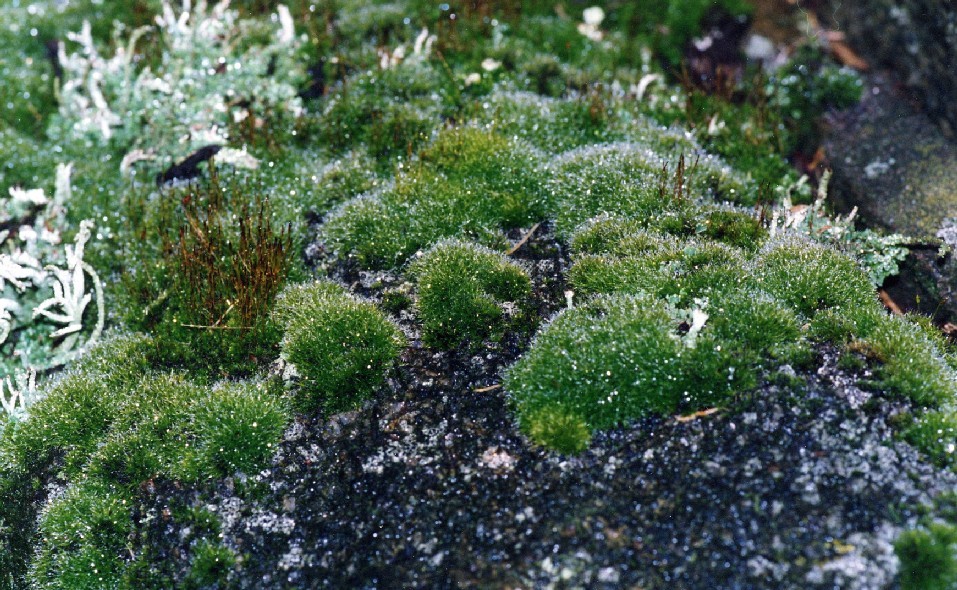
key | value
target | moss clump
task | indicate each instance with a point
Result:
(469, 183)
(461, 290)
(149, 433)
(754, 321)
(617, 236)
(340, 345)
(158, 425)
(84, 537)
(609, 361)
(617, 179)
(389, 113)
(547, 123)
(557, 429)
(735, 228)
(205, 274)
(811, 278)
(935, 434)
(507, 173)
(665, 270)
(210, 564)
(236, 427)
(110, 424)
(928, 558)
(910, 364)
(342, 179)
(653, 186)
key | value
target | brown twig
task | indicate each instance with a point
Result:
(696, 415)
(489, 388)
(215, 327)
(889, 303)
(524, 239)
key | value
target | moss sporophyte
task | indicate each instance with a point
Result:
(349, 191)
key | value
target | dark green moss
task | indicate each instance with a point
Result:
(609, 361)
(461, 291)
(237, 427)
(84, 539)
(927, 556)
(811, 278)
(735, 228)
(209, 565)
(340, 345)
(150, 434)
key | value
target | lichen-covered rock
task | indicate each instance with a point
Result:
(899, 169)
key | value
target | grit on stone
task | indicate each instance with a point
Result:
(432, 486)
(437, 489)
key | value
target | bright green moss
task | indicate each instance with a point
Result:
(469, 184)
(811, 278)
(928, 558)
(209, 564)
(650, 186)
(366, 229)
(611, 360)
(593, 274)
(160, 427)
(237, 427)
(910, 365)
(935, 435)
(508, 174)
(557, 429)
(461, 290)
(841, 326)
(84, 539)
(912, 361)
(340, 345)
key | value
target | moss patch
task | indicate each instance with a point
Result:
(340, 345)
(461, 291)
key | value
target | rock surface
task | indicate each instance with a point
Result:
(917, 38)
(900, 170)
(435, 488)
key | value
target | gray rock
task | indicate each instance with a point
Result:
(893, 163)
(916, 38)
